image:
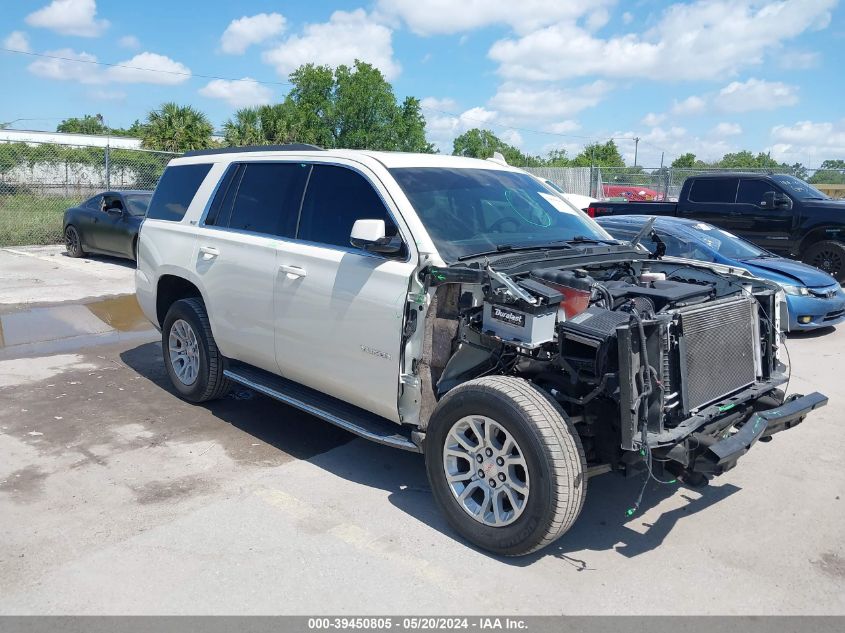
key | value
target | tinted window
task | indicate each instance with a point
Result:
(224, 196)
(137, 203)
(268, 198)
(175, 190)
(93, 203)
(336, 197)
(713, 190)
(799, 188)
(751, 191)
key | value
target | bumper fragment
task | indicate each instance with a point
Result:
(722, 455)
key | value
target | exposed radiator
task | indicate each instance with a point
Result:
(718, 350)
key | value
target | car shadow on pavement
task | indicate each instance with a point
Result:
(816, 333)
(602, 526)
(105, 259)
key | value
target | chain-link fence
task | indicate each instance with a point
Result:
(664, 183)
(38, 181)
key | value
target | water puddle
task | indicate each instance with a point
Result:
(53, 328)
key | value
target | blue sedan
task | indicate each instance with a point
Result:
(814, 298)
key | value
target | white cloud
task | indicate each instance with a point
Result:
(690, 105)
(627, 17)
(438, 104)
(524, 102)
(129, 41)
(66, 69)
(441, 129)
(798, 60)
(238, 94)
(755, 94)
(597, 19)
(69, 17)
(137, 70)
(347, 36)
(248, 30)
(809, 142)
(17, 41)
(707, 39)
(674, 141)
(562, 127)
(652, 119)
(512, 137)
(432, 17)
(726, 129)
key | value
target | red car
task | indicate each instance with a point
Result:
(631, 192)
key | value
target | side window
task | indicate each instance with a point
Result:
(713, 190)
(267, 198)
(176, 188)
(95, 203)
(335, 198)
(226, 191)
(751, 191)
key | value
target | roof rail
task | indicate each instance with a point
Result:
(288, 147)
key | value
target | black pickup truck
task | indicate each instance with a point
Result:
(781, 213)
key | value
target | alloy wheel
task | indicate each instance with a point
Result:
(184, 352)
(486, 470)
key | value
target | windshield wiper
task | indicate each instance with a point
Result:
(507, 248)
(583, 239)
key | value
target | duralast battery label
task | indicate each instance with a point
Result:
(511, 317)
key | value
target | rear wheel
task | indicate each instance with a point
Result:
(193, 362)
(828, 256)
(505, 465)
(73, 242)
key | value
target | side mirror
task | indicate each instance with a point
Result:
(776, 200)
(369, 235)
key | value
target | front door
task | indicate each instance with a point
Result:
(766, 227)
(340, 311)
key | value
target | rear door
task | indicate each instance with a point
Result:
(769, 228)
(84, 218)
(256, 205)
(712, 200)
(340, 310)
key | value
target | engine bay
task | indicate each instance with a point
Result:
(636, 353)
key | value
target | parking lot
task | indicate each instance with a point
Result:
(116, 497)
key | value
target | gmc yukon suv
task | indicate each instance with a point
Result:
(781, 213)
(458, 308)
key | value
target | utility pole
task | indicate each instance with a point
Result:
(636, 146)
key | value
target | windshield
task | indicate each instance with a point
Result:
(472, 211)
(137, 203)
(799, 188)
(726, 244)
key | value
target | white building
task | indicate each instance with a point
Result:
(62, 138)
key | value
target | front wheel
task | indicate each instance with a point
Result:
(828, 256)
(505, 465)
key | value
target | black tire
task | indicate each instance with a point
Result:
(73, 242)
(210, 383)
(828, 256)
(550, 446)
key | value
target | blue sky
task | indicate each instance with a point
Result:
(708, 76)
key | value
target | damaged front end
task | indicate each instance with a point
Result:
(659, 364)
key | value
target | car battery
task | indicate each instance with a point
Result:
(529, 325)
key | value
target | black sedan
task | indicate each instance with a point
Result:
(108, 223)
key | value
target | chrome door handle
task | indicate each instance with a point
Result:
(292, 271)
(209, 252)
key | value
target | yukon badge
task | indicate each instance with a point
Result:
(375, 352)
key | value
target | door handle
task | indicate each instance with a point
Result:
(292, 271)
(209, 252)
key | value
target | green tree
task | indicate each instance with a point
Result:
(747, 160)
(600, 154)
(830, 172)
(684, 161)
(478, 143)
(176, 128)
(88, 124)
(557, 158)
(351, 107)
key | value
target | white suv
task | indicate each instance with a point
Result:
(459, 308)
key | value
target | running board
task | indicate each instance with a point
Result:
(342, 414)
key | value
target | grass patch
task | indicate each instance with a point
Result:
(26, 218)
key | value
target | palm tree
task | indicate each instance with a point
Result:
(264, 125)
(176, 128)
